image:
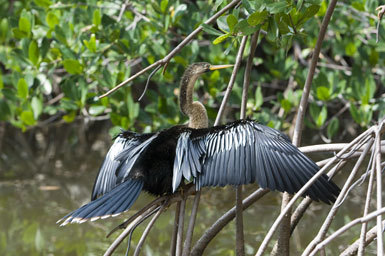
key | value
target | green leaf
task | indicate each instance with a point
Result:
(3, 29)
(5, 112)
(248, 6)
(163, 5)
(257, 18)
(221, 38)
(43, 3)
(72, 66)
(258, 98)
(52, 19)
(37, 107)
(354, 112)
(24, 25)
(210, 30)
(70, 117)
(323, 93)
(277, 7)
(272, 30)
(244, 27)
(1, 80)
(350, 49)
(322, 116)
(311, 11)
(333, 127)
(286, 105)
(96, 110)
(22, 89)
(133, 109)
(39, 241)
(91, 44)
(27, 117)
(231, 21)
(96, 18)
(33, 52)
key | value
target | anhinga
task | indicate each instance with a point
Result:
(240, 152)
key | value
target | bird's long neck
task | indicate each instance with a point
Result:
(194, 110)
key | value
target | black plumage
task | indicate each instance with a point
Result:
(241, 152)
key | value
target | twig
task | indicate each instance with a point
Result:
(124, 5)
(175, 230)
(179, 47)
(191, 225)
(179, 238)
(370, 236)
(148, 81)
(345, 228)
(147, 230)
(123, 235)
(362, 240)
(211, 232)
(380, 243)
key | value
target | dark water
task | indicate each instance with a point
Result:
(47, 173)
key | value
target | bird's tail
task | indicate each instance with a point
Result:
(112, 204)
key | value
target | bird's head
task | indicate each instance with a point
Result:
(202, 67)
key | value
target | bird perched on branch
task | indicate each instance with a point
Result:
(237, 153)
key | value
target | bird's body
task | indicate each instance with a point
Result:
(241, 152)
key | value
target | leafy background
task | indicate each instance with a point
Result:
(57, 56)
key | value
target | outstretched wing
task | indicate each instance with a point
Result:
(119, 160)
(245, 152)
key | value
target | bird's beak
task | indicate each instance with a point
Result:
(220, 67)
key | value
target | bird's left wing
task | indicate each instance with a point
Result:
(245, 152)
(119, 160)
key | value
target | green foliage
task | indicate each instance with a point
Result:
(57, 56)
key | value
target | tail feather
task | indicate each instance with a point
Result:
(113, 203)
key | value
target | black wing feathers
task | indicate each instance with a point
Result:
(245, 152)
(119, 160)
(113, 203)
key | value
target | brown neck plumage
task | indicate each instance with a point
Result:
(194, 110)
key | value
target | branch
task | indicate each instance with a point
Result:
(147, 230)
(380, 242)
(370, 236)
(123, 235)
(345, 228)
(363, 235)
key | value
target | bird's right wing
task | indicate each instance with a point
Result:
(246, 152)
(119, 161)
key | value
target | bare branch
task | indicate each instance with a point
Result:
(123, 235)
(380, 242)
(362, 240)
(345, 228)
(370, 236)
(147, 230)
(190, 229)
(179, 237)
